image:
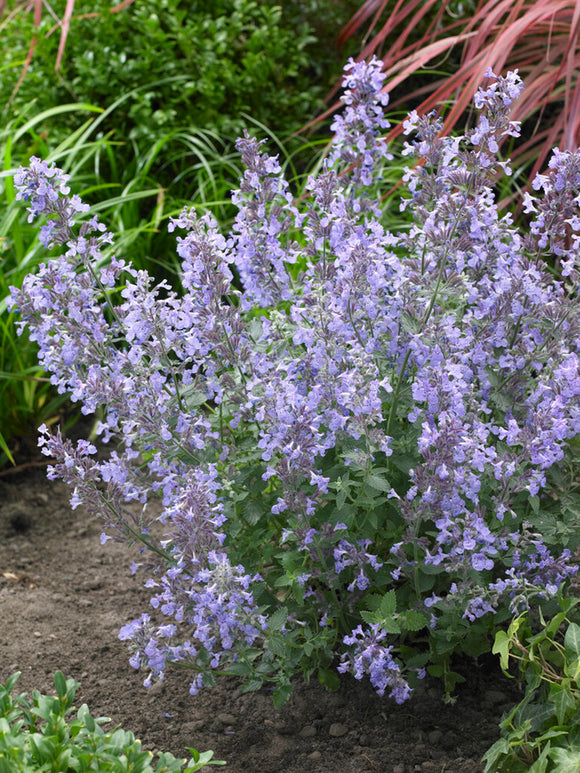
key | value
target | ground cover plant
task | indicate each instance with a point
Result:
(543, 731)
(363, 441)
(39, 735)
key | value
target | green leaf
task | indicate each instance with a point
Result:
(562, 700)
(389, 604)
(278, 646)
(281, 694)
(85, 716)
(390, 625)
(541, 764)
(329, 679)
(370, 618)
(572, 669)
(11, 681)
(501, 647)
(566, 759)
(572, 640)
(252, 685)
(278, 619)
(253, 511)
(60, 684)
(414, 621)
(240, 669)
(199, 760)
(378, 483)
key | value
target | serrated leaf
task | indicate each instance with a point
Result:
(572, 640)
(403, 462)
(378, 483)
(389, 604)
(281, 694)
(195, 398)
(278, 619)
(251, 685)
(240, 669)
(372, 601)
(414, 621)
(390, 625)
(253, 511)
(370, 618)
(278, 646)
(345, 514)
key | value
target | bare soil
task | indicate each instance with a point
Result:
(64, 596)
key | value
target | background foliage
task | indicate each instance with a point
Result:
(173, 84)
(450, 43)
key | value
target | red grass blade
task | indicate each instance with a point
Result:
(539, 37)
(70, 4)
(121, 6)
(359, 18)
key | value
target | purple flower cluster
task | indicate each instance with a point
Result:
(371, 657)
(216, 605)
(305, 359)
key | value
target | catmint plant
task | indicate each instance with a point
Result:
(361, 440)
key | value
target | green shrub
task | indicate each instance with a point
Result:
(39, 736)
(218, 59)
(542, 733)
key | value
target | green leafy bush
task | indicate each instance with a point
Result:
(217, 59)
(37, 736)
(542, 733)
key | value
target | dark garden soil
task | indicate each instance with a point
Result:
(64, 596)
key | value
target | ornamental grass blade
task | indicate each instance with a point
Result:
(364, 13)
(541, 39)
(70, 4)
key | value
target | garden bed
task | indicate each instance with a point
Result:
(64, 596)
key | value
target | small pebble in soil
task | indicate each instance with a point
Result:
(157, 688)
(308, 732)
(337, 730)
